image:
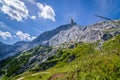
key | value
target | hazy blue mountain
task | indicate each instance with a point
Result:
(9, 50)
(4, 48)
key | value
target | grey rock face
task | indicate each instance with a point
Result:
(70, 33)
(44, 37)
(76, 33)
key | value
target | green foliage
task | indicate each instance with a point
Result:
(112, 46)
(84, 62)
(84, 49)
(16, 64)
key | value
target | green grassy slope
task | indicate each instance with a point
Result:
(22, 62)
(85, 62)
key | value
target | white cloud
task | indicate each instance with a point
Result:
(24, 36)
(33, 37)
(19, 35)
(46, 11)
(33, 17)
(6, 35)
(16, 9)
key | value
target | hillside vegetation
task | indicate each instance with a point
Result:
(87, 61)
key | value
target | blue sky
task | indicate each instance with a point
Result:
(27, 19)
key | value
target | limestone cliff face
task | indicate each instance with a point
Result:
(73, 32)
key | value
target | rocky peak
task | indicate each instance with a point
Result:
(72, 33)
(44, 37)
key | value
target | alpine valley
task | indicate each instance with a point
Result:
(69, 52)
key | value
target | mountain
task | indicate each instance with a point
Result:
(10, 50)
(90, 51)
(27, 60)
(75, 33)
(43, 39)
(18, 46)
(84, 61)
(70, 33)
(23, 46)
(4, 48)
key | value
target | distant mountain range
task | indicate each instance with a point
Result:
(4, 48)
(10, 50)
(65, 33)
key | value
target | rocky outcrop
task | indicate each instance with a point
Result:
(71, 33)
(74, 33)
